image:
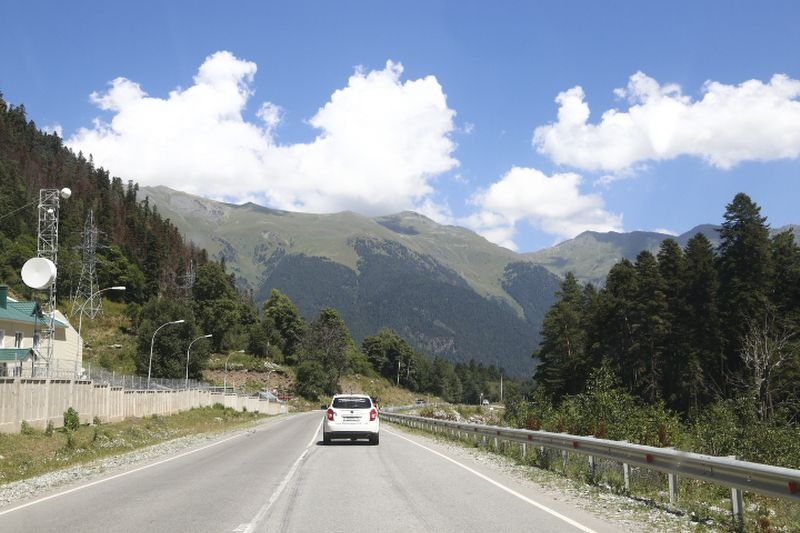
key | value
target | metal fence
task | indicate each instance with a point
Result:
(114, 379)
(738, 475)
(101, 375)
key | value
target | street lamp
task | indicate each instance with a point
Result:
(225, 382)
(80, 318)
(153, 340)
(187, 356)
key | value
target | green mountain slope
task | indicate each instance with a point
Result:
(445, 289)
(590, 255)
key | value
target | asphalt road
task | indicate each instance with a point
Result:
(280, 477)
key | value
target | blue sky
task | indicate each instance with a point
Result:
(528, 122)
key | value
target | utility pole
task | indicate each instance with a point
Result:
(87, 285)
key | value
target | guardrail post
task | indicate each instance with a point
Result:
(626, 476)
(737, 506)
(673, 488)
(591, 466)
(524, 450)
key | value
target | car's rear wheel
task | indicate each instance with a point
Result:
(374, 439)
(326, 439)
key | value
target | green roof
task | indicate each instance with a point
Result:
(24, 312)
(15, 354)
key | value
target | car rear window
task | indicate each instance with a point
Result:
(352, 403)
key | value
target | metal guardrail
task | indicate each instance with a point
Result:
(726, 471)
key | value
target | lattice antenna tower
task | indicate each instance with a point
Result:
(87, 285)
(47, 247)
(189, 278)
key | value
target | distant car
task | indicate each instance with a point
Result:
(485, 402)
(267, 395)
(419, 401)
(351, 416)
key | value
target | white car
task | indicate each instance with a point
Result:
(351, 416)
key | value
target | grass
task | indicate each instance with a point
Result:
(33, 453)
(107, 339)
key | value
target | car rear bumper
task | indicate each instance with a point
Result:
(350, 431)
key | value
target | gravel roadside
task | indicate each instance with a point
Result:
(39, 486)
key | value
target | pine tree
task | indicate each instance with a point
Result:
(703, 372)
(672, 266)
(613, 321)
(746, 273)
(785, 291)
(562, 353)
(650, 326)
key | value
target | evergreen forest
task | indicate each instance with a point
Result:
(702, 336)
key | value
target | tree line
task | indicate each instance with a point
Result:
(321, 351)
(685, 328)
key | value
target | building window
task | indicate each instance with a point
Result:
(2, 338)
(37, 337)
(18, 339)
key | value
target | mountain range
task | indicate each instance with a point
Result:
(448, 291)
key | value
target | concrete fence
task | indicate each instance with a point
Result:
(40, 401)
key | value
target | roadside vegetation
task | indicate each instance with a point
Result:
(33, 452)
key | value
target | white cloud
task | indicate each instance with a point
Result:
(666, 231)
(554, 204)
(752, 121)
(381, 141)
(54, 128)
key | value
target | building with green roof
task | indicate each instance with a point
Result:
(21, 324)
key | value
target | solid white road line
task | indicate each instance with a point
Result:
(500, 486)
(275, 495)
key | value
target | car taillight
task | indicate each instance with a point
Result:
(373, 415)
(330, 414)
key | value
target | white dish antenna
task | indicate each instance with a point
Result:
(66, 193)
(38, 273)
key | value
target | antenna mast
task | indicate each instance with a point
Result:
(47, 247)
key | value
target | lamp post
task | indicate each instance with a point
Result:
(187, 356)
(80, 318)
(225, 382)
(152, 341)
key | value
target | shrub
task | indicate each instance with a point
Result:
(605, 410)
(71, 419)
(26, 428)
(49, 430)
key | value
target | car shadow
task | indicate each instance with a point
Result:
(345, 442)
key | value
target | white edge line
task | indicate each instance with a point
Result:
(115, 476)
(284, 483)
(501, 486)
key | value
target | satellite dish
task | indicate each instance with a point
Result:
(38, 273)
(66, 193)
